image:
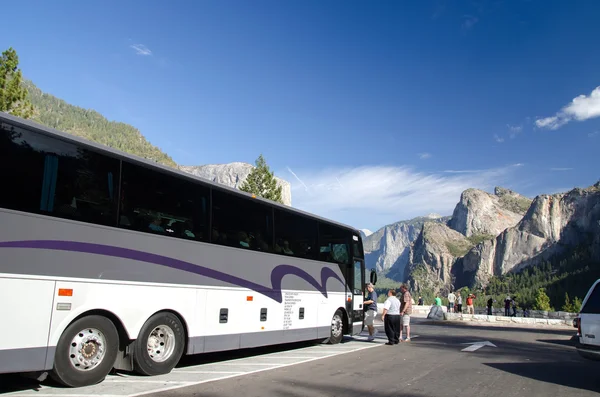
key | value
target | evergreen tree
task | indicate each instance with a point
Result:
(542, 302)
(13, 96)
(568, 306)
(261, 182)
(577, 305)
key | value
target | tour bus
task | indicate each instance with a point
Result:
(108, 260)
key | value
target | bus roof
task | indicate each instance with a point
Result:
(155, 165)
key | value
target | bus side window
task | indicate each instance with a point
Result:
(334, 244)
(295, 235)
(241, 223)
(63, 179)
(156, 203)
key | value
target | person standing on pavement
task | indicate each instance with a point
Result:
(451, 301)
(405, 312)
(391, 318)
(371, 305)
(458, 302)
(470, 301)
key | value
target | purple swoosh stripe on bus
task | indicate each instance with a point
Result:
(277, 273)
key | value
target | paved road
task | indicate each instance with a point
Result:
(523, 363)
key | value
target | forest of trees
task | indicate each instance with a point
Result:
(56, 113)
(564, 279)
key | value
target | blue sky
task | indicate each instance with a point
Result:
(374, 111)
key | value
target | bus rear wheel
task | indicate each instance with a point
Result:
(159, 346)
(86, 352)
(337, 328)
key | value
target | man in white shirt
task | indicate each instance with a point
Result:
(391, 318)
(451, 300)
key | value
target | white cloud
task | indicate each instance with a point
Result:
(581, 108)
(514, 130)
(372, 196)
(560, 169)
(424, 156)
(498, 139)
(141, 49)
(593, 134)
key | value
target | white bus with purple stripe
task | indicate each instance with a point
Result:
(111, 261)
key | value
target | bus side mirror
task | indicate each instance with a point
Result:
(373, 277)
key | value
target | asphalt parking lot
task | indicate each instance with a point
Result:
(441, 360)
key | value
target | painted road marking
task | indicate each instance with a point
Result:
(131, 385)
(476, 346)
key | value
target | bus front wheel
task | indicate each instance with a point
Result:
(337, 328)
(86, 352)
(159, 346)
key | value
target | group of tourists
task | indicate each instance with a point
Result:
(395, 316)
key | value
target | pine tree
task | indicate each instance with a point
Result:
(542, 302)
(13, 95)
(261, 182)
(577, 305)
(568, 306)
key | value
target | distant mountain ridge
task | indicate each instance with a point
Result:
(490, 235)
(89, 124)
(387, 249)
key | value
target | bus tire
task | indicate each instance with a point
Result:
(337, 328)
(86, 352)
(159, 346)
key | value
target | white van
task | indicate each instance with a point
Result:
(589, 324)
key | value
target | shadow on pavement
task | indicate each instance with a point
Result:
(579, 375)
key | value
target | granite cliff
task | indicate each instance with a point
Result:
(233, 175)
(479, 213)
(433, 255)
(554, 224)
(387, 249)
(491, 235)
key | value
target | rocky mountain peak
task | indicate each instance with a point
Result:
(554, 223)
(479, 213)
(433, 255)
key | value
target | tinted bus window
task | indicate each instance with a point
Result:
(241, 222)
(50, 176)
(357, 249)
(334, 244)
(295, 235)
(592, 306)
(154, 202)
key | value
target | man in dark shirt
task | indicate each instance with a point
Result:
(371, 305)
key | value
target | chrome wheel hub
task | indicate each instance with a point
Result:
(336, 326)
(87, 349)
(161, 343)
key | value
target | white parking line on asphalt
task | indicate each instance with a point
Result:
(126, 385)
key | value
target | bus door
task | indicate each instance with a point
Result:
(357, 285)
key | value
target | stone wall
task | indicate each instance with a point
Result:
(507, 320)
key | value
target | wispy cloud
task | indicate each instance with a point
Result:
(561, 169)
(297, 178)
(593, 134)
(141, 49)
(498, 139)
(372, 196)
(581, 108)
(514, 130)
(469, 21)
(424, 156)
